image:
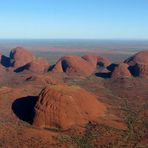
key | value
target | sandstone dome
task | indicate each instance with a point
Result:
(61, 106)
(139, 64)
(92, 59)
(39, 65)
(20, 56)
(74, 65)
(97, 60)
(139, 58)
(103, 62)
(121, 71)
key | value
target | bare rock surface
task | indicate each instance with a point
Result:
(62, 106)
(139, 64)
(121, 71)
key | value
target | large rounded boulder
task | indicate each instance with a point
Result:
(20, 56)
(139, 64)
(97, 60)
(121, 71)
(74, 65)
(103, 62)
(39, 65)
(92, 59)
(61, 106)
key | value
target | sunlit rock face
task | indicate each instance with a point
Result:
(39, 65)
(121, 71)
(97, 60)
(20, 56)
(62, 106)
(74, 65)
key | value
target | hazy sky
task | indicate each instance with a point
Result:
(74, 19)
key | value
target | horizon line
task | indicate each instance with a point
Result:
(75, 39)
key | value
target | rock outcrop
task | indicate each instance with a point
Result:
(121, 71)
(97, 60)
(61, 106)
(20, 56)
(74, 65)
(92, 59)
(103, 62)
(139, 64)
(39, 65)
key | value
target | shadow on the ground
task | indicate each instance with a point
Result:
(104, 75)
(24, 108)
(112, 67)
(22, 68)
(51, 67)
(107, 75)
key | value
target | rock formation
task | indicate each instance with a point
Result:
(20, 56)
(61, 106)
(74, 65)
(139, 64)
(97, 60)
(92, 59)
(121, 71)
(39, 65)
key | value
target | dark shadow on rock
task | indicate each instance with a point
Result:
(134, 70)
(100, 64)
(51, 67)
(111, 67)
(24, 108)
(104, 75)
(5, 61)
(22, 68)
(64, 65)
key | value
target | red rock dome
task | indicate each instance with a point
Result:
(97, 60)
(20, 57)
(139, 64)
(139, 58)
(39, 65)
(74, 65)
(92, 59)
(101, 61)
(61, 106)
(121, 71)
